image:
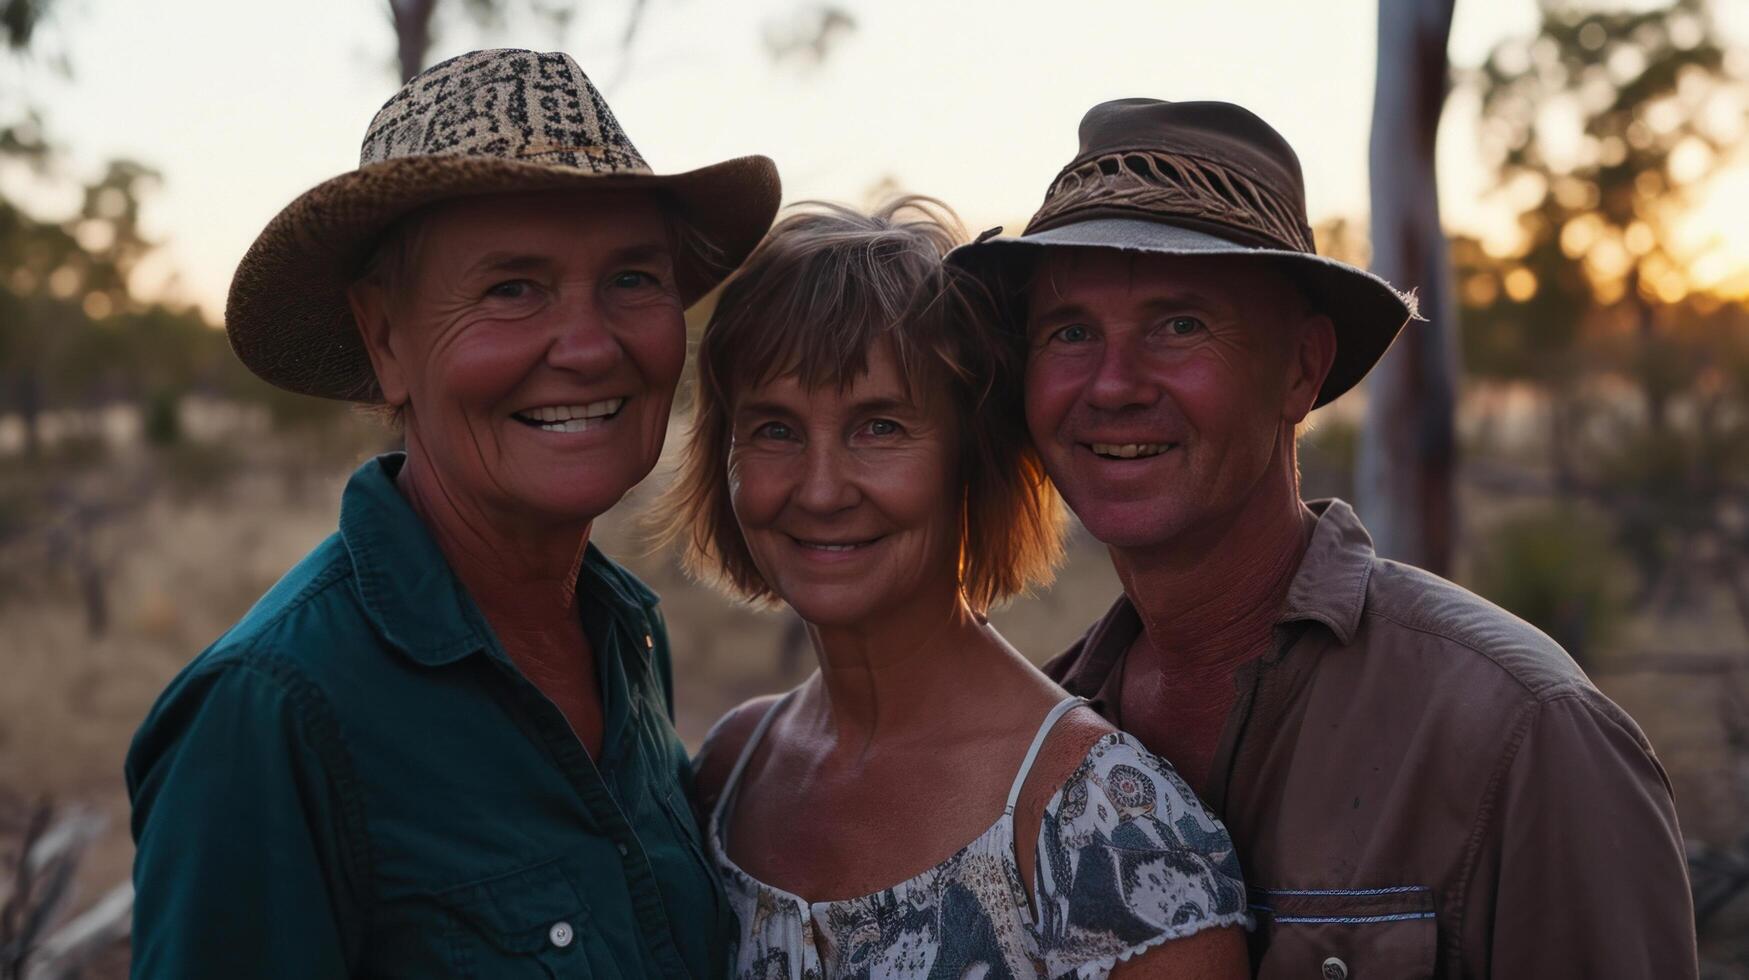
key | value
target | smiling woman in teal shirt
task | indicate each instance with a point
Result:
(442, 745)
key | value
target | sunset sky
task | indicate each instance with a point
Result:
(243, 105)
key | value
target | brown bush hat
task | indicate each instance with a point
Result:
(483, 123)
(1197, 178)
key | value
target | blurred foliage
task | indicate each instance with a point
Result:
(1327, 452)
(809, 34)
(1600, 130)
(74, 335)
(1600, 127)
(419, 24)
(1555, 568)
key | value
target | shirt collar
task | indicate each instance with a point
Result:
(1330, 586)
(410, 594)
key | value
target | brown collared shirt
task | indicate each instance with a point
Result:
(1419, 784)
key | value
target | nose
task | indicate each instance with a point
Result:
(827, 483)
(582, 342)
(1121, 379)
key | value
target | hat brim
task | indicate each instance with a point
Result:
(1367, 312)
(287, 314)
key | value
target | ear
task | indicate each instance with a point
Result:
(370, 309)
(1309, 364)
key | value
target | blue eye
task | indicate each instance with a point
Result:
(774, 430)
(1074, 333)
(883, 427)
(1183, 326)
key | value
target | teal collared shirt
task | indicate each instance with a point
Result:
(355, 780)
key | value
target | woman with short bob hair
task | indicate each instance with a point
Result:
(927, 803)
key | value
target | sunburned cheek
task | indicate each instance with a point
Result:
(482, 368)
(1050, 393)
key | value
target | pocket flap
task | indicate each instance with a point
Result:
(1400, 903)
(1346, 933)
(518, 911)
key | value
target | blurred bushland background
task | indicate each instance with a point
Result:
(1564, 181)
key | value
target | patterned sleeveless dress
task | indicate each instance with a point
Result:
(1128, 858)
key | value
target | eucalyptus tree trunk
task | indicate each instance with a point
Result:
(412, 20)
(1408, 448)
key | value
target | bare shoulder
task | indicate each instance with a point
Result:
(722, 747)
(1065, 748)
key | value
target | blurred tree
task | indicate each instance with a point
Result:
(1601, 130)
(416, 25)
(1408, 453)
(1607, 122)
(809, 32)
(18, 20)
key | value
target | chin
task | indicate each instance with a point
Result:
(831, 610)
(582, 497)
(1130, 525)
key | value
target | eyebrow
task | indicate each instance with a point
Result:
(1186, 299)
(763, 408)
(530, 261)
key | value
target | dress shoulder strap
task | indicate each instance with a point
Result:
(753, 741)
(1062, 708)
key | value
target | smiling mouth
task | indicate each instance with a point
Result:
(1129, 450)
(833, 547)
(570, 418)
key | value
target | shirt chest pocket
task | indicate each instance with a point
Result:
(1346, 934)
(529, 923)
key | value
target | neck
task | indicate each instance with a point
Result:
(1209, 599)
(883, 675)
(523, 578)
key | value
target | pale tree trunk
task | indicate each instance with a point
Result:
(412, 34)
(1408, 450)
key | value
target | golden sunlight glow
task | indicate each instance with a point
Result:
(1521, 284)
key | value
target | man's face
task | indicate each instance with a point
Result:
(1158, 387)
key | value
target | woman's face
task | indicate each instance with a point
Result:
(535, 341)
(848, 500)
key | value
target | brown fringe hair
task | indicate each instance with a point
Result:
(825, 286)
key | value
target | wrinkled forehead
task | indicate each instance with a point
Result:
(1116, 279)
(554, 224)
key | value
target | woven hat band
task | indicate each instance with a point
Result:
(1173, 187)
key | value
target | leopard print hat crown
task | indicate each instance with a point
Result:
(486, 122)
(1197, 178)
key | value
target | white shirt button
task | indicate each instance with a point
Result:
(561, 934)
(1335, 969)
(623, 850)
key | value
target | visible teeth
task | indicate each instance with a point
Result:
(819, 546)
(1130, 450)
(572, 418)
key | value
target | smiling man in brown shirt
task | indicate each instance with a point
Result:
(1418, 783)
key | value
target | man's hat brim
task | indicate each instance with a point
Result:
(287, 314)
(1367, 312)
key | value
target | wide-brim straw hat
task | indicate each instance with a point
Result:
(488, 122)
(1197, 179)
